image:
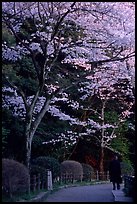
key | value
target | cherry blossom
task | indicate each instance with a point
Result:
(95, 37)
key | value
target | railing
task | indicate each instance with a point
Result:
(37, 182)
(93, 176)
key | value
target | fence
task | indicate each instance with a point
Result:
(92, 176)
(39, 182)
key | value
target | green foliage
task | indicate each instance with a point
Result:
(127, 168)
(23, 74)
(5, 133)
(7, 36)
(36, 169)
(71, 29)
(15, 177)
(72, 167)
(111, 117)
(49, 163)
(49, 131)
(121, 145)
(87, 171)
(12, 136)
(5, 130)
(122, 129)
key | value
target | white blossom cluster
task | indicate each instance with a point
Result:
(105, 25)
(13, 102)
(69, 138)
(98, 126)
(16, 103)
(103, 82)
(126, 113)
(51, 88)
(35, 46)
(11, 54)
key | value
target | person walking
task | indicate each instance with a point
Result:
(115, 172)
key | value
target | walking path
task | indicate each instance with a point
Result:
(92, 193)
(120, 197)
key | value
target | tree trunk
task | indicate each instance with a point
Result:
(28, 137)
(28, 152)
(30, 129)
(101, 164)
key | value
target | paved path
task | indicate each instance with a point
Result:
(92, 193)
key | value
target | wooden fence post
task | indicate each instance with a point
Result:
(61, 179)
(65, 178)
(97, 176)
(39, 181)
(42, 183)
(107, 175)
(90, 176)
(29, 185)
(34, 183)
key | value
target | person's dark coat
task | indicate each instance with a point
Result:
(115, 171)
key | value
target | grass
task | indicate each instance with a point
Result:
(22, 196)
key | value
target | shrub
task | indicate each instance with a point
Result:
(87, 171)
(35, 170)
(126, 168)
(15, 177)
(72, 167)
(49, 163)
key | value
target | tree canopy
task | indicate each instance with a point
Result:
(60, 57)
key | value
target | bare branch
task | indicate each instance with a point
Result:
(115, 58)
(56, 29)
(39, 117)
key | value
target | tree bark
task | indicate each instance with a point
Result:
(28, 152)
(101, 163)
(27, 137)
(31, 127)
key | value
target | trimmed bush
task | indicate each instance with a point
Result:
(15, 177)
(35, 170)
(49, 163)
(72, 167)
(87, 171)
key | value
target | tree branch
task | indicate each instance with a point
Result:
(39, 117)
(112, 59)
(113, 150)
(18, 90)
(56, 28)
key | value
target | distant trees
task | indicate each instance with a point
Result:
(112, 91)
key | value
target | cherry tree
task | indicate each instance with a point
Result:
(111, 82)
(48, 37)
